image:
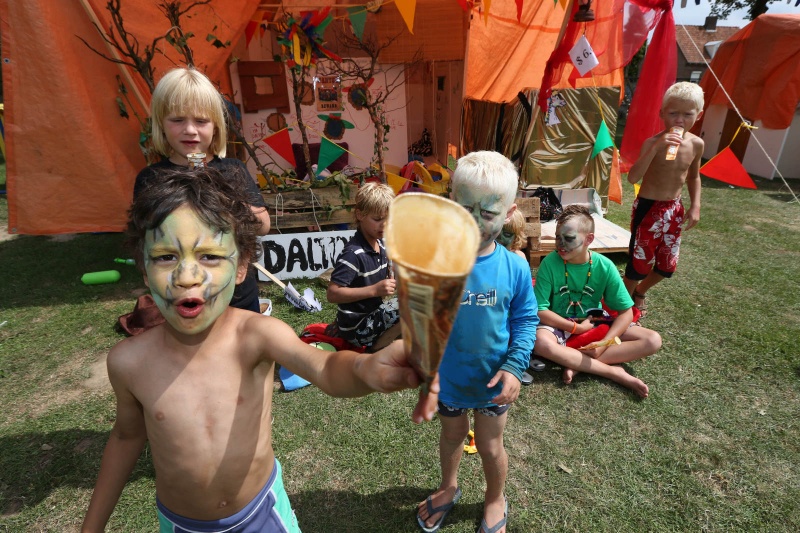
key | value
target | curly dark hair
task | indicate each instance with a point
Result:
(213, 197)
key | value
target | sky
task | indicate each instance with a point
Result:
(696, 15)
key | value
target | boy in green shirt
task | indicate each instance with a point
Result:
(573, 279)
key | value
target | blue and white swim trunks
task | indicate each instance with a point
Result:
(269, 512)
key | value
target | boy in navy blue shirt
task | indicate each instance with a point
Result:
(362, 277)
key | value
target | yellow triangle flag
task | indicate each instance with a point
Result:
(487, 5)
(407, 8)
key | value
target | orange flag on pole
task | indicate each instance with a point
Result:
(725, 167)
(615, 180)
(282, 144)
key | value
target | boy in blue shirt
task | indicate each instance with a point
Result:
(489, 346)
(571, 280)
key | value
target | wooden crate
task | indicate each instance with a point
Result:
(310, 207)
(533, 228)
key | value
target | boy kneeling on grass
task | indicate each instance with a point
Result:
(195, 385)
(571, 280)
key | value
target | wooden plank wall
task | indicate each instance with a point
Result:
(533, 228)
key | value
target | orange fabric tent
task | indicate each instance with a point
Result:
(524, 47)
(760, 70)
(72, 158)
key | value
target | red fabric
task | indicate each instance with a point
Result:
(597, 332)
(658, 73)
(725, 167)
(316, 333)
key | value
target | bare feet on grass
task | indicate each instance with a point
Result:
(619, 376)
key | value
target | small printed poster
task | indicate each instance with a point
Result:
(329, 93)
(582, 56)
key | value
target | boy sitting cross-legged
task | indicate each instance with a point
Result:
(571, 280)
(198, 387)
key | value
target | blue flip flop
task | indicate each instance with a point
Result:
(444, 509)
(494, 529)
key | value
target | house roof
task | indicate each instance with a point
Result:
(685, 35)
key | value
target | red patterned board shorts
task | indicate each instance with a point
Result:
(655, 237)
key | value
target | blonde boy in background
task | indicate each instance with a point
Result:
(667, 161)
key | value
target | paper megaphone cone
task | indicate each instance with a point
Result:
(433, 243)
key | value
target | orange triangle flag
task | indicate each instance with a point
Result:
(407, 9)
(282, 144)
(487, 5)
(615, 180)
(725, 167)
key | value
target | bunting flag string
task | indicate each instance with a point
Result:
(727, 168)
(603, 139)
(282, 144)
(407, 9)
(358, 18)
(329, 152)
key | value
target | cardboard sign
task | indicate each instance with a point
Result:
(302, 255)
(582, 56)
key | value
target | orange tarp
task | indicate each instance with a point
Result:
(759, 67)
(72, 159)
(523, 48)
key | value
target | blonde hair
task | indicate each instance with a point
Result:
(491, 170)
(516, 226)
(186, 91)
(685, 91)
(373, 199)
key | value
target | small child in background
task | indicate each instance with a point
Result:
(573, 279)
(513, 238)
(667, 162)
(188, 116)
(199, 386)
(513, 234)
(489, 346)
(362, 277)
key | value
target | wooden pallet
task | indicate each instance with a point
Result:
(310, 207)
(608, 238)
(533, 228)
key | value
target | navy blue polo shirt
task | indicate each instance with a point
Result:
(359, 266)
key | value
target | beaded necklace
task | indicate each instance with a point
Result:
(575, 305)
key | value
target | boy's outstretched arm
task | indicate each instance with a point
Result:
(343, 373)
(123, 449)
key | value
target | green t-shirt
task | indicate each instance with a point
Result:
(605, 284)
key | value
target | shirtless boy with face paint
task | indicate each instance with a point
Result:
(571, 280)
(199, 386)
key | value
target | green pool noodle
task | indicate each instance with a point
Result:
(98, 278)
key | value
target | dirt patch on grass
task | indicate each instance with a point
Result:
(98, 378)
(5, 235)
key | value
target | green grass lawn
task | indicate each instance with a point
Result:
(715, 447)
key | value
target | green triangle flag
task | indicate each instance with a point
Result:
(328, 153)
(358, 17)
(603, 139)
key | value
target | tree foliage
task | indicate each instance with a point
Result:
(723, 8)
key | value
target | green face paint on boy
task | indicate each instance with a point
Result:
(191, 269)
